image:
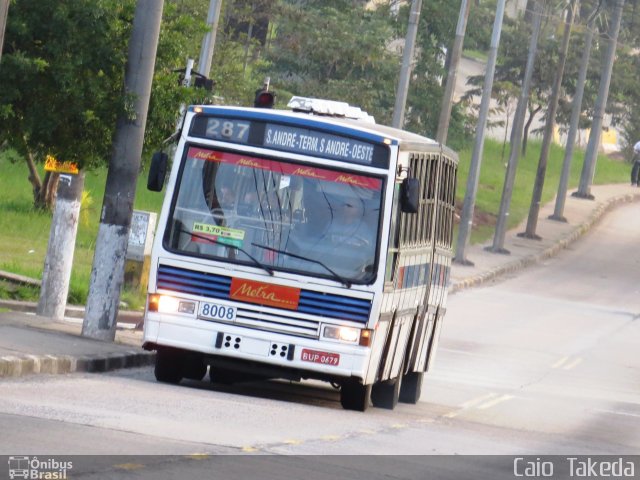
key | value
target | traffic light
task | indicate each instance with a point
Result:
(264, 99)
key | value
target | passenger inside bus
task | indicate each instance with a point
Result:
(348, 224)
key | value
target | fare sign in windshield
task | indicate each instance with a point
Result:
(311, 142)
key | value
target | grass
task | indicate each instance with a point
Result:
(492, 173)
(478, 55)
(24, 232)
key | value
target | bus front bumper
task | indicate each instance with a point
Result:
(311, 357)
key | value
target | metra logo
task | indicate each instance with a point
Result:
(204, 155)
(307, 172)
(351, 180)
(265, 294)
(247, 162)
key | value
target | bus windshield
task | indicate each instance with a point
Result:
(277, 215)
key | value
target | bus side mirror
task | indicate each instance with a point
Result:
(157, 171)
(410, 195)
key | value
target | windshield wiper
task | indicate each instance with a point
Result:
(211, 240)
(341, 279)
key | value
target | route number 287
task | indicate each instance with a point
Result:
(233, 130)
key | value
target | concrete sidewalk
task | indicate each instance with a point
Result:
(580, 214)
(31, 344)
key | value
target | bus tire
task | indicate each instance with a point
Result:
(169, 365)
(354, 396)
(386, 394)
(194, 367)
(411, 387)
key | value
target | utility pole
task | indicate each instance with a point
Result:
(407, 60)
(576, 109)
(4, 11)
(589, 166)
(536, 198)
(466, 219)
(56, 274)
(209, 41)
(516, 134)
(107, 274)
(454, 60)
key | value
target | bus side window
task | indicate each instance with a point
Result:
(394, 237)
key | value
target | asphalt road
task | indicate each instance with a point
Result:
(542, 363)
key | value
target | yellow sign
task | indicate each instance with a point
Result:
(51, 164)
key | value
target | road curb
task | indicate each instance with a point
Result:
(549, 252)
(73, 311)
(21, 365)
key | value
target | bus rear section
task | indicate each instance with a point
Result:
(271, 251)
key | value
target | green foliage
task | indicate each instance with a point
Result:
(62, 76)
(336, 50)
(436, 33)
(24, 231)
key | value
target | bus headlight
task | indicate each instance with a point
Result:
(168, 304)
(343, 334)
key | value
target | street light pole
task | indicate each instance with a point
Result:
(516, 135)
(405, 70)
(454, 60)
(588, 168)
(576, 109)
(4, 11)
(209, 40)
(466, 218)
(107, 273)
(536, 198)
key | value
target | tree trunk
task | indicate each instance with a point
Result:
(527, 126)
(47, 195)
(62, 238)
(34, 178)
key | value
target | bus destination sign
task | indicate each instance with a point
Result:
(291, 138)
(310, 142)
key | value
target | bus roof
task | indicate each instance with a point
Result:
(372, 131)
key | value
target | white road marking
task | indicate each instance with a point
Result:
(573, 364)
(494, 402)
(560, 362)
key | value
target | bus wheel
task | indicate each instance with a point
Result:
(411, 387)
(386, 394)
(354, 396)
(169, 365)
(194, 367)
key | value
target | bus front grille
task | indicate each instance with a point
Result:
(312, 307)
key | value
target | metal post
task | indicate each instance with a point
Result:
(576, 109)
(447, 98)
(4, 11)
(589, 166)
(107, 273)
(407, 59)
(536, 198)
(466, 218)
(209, 40)
(516, 135)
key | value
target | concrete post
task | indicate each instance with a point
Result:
(107, 273)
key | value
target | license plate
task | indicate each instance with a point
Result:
(315, 356)
(214, 311)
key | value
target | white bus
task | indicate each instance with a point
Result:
(297, 245)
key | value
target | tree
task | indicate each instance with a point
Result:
(60, 82)
(337, 50)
